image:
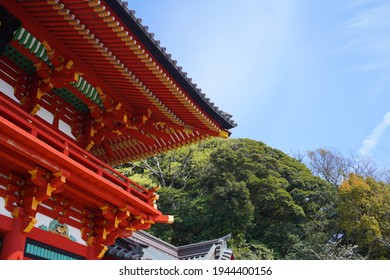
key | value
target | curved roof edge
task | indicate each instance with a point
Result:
(134, 24)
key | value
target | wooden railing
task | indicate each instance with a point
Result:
(42, 131)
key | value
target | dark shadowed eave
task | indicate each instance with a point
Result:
(134, 24)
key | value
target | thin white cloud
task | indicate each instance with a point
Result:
(353, 4)
(371, 66)
(372, 140)
(365, 35)
(377, 17)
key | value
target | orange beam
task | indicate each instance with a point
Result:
(26, 146)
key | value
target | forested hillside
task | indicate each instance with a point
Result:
(271, 203)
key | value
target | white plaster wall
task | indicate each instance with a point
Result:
(65, 128)
(8, 90)
(4, 211)
(43, 220)
(46, 115)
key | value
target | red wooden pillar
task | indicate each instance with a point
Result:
(96, 252)
(14, 242)
(92, 253)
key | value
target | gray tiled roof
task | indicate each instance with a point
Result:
(142, 245)
(126, 249)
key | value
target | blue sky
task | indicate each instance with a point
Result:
(297, 75)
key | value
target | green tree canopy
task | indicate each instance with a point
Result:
(365, 215)
(258, 194)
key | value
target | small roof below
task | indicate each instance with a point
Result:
(154, 248)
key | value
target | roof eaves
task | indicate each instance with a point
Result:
(200, 248)
(152, 241)
(147, 39)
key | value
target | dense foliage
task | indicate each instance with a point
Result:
(365, 215)
(272, 204)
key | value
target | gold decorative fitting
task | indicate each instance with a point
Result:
(115, 62)
(90, 145)
(113, 24)
(84, 32)
(124, 69)
(52, 2)
(223, 134)
(70, 64)
(131, 43)
(102, 252)
(96, 44)
(74, 22)
(79, 27)
(29, 224)
(146, 91)
(69, 17)
(135, 47)
(117, 28)
(99, 8)
(93, 41)
(120, 65)
(58, 6)
(104, 14)
(89, 37)
(102, 49)
(146, 59)
(139, 51)
(151, 64)
(64, 12)
(111, 58)
(131, 76)
(122, 33)
(127, 38)
(108, 19)
(143, 55)
(94, 3)
(35, 110)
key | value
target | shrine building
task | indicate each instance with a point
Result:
(85, 87)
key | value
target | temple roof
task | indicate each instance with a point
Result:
(153, 45)
(126, 97)
(85, 87)
(142, 245)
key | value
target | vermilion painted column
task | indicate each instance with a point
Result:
(14, 242)
(96, 252)
(92, 253)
